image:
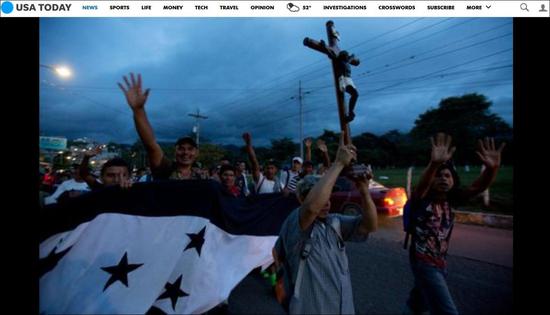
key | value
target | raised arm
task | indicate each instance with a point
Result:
(136, 99)
(491, 159)
(369, 221)
(324, 150)
(252, 157)
(85, 169)
(319, 195)
(308, 148)
(441, 152)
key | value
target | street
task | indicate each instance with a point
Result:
(479, 265)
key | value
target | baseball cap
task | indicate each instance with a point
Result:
(188, 140)
(297, 158)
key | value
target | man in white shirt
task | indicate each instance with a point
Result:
(267, 182)
(77, 185)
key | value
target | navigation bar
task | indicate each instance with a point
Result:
(275, 9)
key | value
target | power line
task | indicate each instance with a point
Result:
(273, 90)
(236, 102)
(439, 55)
(378, 92)
(81, 96)
(454, 42)
(444, 45)
(451, 67)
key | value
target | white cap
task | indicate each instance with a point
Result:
(299, 159)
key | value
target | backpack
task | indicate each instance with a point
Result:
(284, 288)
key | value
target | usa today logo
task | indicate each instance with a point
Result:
(7, 7)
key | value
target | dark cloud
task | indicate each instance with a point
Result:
(243, 73)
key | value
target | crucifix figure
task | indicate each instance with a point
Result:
(341, 61)
(345, 83)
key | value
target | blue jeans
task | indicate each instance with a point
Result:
(430, 291)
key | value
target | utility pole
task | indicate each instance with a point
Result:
(198, 117)
(300, 99)
(301, 120)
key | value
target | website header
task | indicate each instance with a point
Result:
(275, 8)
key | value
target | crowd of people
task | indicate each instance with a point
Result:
(311, 244)
(236, 177)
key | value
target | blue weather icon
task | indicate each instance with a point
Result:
(7, 7)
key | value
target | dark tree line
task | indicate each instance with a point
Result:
(466, 118)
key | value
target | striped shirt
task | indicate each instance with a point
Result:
(290, 179)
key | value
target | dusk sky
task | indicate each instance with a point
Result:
(243, 73)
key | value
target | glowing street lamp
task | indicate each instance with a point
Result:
(61, 71)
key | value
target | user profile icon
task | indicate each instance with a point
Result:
(543, 8)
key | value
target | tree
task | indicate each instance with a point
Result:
(466, 118)
(283, 150)
(332, 139)
(368, 149)
(233, 152)
(210, 154)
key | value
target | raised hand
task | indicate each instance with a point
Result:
(247, 138)
(321, 145)
(345, 153)
(126, 184)
(364, 178)
(488, 154)
(135, 97)
(441, 148)
(308, 142)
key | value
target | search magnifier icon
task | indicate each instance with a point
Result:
(523, 6)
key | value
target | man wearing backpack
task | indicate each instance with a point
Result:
(310, 248)
(288, 177)
(266, 182)
(429, 218)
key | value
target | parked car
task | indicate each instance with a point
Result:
(346, 199)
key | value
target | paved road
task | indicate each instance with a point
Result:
(480, 274)
(470, 241)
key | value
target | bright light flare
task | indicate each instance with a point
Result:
(63, 71)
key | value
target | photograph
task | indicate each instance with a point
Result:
(241, 165)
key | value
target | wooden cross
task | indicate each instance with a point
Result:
(332, 50)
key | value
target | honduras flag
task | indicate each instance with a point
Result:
(160, 247)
